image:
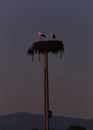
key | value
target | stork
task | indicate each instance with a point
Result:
(41, 34)
(52, 34)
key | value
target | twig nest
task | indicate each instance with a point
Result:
(53, 46)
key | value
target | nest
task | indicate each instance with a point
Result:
(53, 46)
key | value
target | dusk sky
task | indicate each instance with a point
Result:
(70, 77)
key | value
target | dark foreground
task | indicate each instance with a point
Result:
(27, 121)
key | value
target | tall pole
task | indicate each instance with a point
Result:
(46, 93)
(45, 47)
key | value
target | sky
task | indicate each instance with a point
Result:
(70, 77)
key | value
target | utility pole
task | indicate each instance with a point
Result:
(44, 47)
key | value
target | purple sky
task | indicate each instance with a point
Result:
(70, 78)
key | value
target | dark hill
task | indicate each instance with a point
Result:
(27, 121)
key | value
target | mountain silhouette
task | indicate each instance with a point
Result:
(27, 121)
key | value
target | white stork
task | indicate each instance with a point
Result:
(52, 34)
(41, 34)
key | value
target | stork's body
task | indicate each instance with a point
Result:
(52, 34)
(41, 34)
